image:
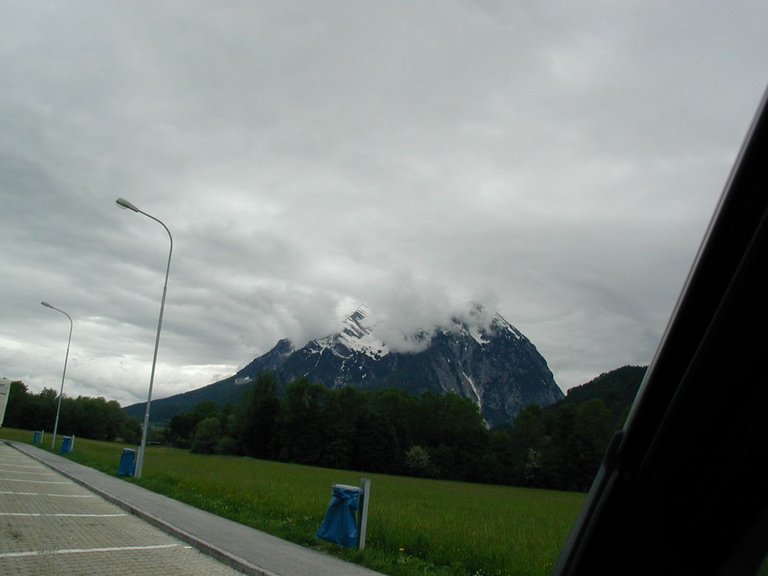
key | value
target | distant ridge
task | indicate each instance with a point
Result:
(617, 389)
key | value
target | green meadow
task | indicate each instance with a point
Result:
(415, 526)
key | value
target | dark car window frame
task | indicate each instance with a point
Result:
(682, 488)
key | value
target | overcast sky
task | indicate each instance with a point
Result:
(556, 161)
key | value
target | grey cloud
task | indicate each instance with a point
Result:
(558, 162)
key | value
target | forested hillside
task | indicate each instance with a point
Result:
(84, 416)
(389, 431)
(439, 436)
(616, 389)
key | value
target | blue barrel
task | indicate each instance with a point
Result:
(340, 524)
(127, 462)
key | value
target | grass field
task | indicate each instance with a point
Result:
(415, 526)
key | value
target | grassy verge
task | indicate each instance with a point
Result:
(415, 526)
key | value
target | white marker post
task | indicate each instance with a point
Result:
(5, 390)
(365, 485)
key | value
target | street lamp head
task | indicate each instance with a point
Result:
(123, 203)
(46, 304)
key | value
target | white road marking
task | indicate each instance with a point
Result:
(85, 550)
(43, 494)
(33, 481)
(62, 515)
(30, 472)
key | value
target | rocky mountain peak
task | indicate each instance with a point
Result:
(481, 356)
(478, 356)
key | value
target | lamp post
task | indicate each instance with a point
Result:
(63, 374)
(140, 459)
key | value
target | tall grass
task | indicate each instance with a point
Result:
(416, 526)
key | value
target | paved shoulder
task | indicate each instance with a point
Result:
(249, 550)
(51, 525)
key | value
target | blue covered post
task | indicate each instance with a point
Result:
(340, 525)
(127, 465)
(67, 445)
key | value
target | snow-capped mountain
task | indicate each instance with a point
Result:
(354, 338)
(486, 360)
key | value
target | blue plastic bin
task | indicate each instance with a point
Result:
(127, 463)
(340, 524)
(67, 445)
(38, 437)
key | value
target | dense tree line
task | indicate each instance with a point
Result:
(83, 416)
(390, 431)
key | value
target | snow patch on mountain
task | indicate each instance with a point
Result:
(499, 323)
(360, 334)
(474, 389)
(355, 337)
(482, 326)
(478, 334)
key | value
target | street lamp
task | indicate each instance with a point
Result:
(66, 358)
(140, 459)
